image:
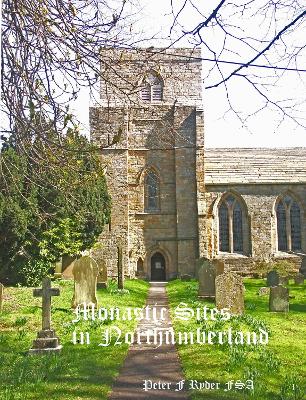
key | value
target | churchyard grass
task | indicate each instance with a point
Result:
(80, 371)
(276, 368)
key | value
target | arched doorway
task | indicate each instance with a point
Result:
(158, 267)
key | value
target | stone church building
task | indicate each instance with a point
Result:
(173, 201)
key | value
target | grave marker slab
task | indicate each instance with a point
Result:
(219, 265)
(85, 272)
(58, 269)
(46, 341)
(279, 299)
(272, 279)
(284, 280)
(230, 293)
(102, 276)
(206, 275)
(299, 279)
(120, 268)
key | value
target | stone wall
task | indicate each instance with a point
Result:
(166, 136)
(259, 200)
(180, 70)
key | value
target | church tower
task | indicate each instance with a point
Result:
(149, 128)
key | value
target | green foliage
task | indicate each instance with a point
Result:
(292, 388)
(53, 202)
(31, 272)
(79, 372)
(61, 238)
(267, 365)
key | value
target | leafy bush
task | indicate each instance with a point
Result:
(50, 204)
(32, 272)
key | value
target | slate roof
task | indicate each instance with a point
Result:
(261, 165)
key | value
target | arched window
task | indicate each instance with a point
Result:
(152, 190)
(152, 88)
(231, 225)
(288, 215)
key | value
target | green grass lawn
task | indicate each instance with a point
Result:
(79, 372)
(276, 368)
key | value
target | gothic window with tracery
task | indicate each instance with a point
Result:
(152, 191)
(231, 225)
(288, 216)
(152, 88)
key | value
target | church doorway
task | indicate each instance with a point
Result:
(158, 267)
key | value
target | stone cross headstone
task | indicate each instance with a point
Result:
(120, 268)
(230, 293)
(102, 276)
(46, 341)
(206, 275)
(279, 299)
(272, 279)
(85, 272)
(1, 296)
(299, 279)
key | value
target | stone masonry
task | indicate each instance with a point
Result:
(167, 137)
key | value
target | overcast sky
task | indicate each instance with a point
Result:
(223, 129)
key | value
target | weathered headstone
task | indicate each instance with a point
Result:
(303, 265)
(120, 268)
(102, 276)
(299, 279)
(85, 272)
(284, 280)
(58, 269)
(46, 341)
(207, 276)
(263, 291)
(279, 299)
(272, 278)
(219, 265)
(230, 293)
(185, 277)
(1, 296)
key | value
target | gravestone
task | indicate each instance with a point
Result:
(230, 293)
(58, 269)
(284, 280)
(272, 279)
(46, 341)
(219, 265)
(206, 276)
(1, 296)
(279, 299)
(185, 277)
(303, 265)
(263, 291)
(120, 268)
(85, 272)
(299, 279)
(102, 276)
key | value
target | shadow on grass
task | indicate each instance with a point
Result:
(298, 307)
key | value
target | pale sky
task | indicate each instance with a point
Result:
(224, 129)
